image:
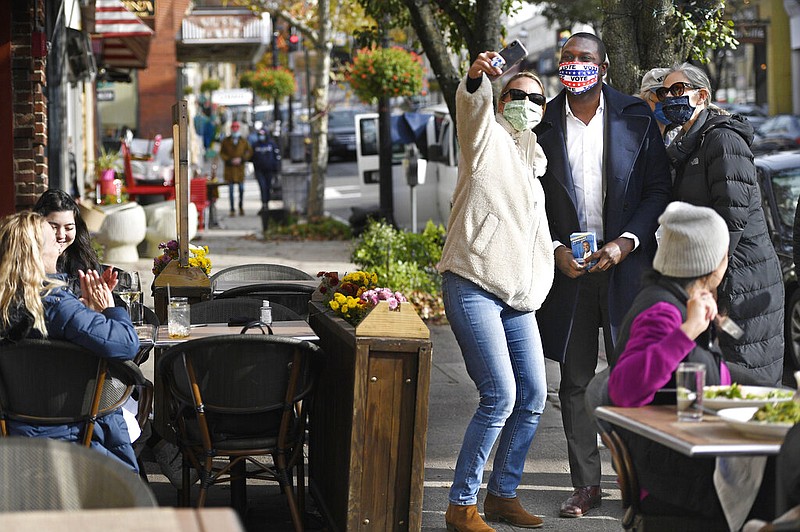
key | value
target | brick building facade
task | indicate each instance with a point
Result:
(23, 57)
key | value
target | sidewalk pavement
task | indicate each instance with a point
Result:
(545, 483)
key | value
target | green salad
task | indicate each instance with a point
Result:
(786, 412)
(734, 391)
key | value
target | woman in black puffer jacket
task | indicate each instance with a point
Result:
(714, 168)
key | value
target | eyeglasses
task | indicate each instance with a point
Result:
(517, 94)
(677, 89)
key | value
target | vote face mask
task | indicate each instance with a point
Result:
(658, 112)
(522, 114)
(578, 77)
(678, 110)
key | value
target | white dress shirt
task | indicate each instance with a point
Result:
(585, 151)
(585, 145)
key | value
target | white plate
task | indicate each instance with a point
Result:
(739, 419)
(718, 403)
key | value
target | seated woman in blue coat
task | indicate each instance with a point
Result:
(35, 303)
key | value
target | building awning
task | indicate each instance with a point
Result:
(120, 38)
(224, 35)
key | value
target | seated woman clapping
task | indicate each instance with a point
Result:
(671, 321)
(35, 303)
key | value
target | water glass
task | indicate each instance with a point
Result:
(133, 299)
(690, 378)
(178, 317)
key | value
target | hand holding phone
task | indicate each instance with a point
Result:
(511, 54)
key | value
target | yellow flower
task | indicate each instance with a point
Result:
(334, 305)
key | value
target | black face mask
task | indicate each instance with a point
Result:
(678, 110)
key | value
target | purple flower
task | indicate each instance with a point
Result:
(393, 304)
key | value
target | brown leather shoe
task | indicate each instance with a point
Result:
(465, 519)
(509, 510)
(583, 499)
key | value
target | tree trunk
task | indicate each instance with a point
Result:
(422, 20)
(319, 124)
(481, 33)
(640, 35)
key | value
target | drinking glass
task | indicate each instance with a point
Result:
(689, 380)
(130, 291)
(178, 317)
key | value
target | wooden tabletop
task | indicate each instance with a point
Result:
(296, 329)
(125, 520)
(710, 437)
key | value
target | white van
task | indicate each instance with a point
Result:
(436, 171)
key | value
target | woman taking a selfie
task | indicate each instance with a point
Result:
(497, 267)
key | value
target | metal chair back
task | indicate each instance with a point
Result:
(239, 308)
(42, 474)
(52, 382)
(294, 296)
(241, 396)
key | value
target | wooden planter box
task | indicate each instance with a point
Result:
(369, 419)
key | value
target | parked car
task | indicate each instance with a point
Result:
(777, 133)
(342, 132)
(754, 114)
(779, 177)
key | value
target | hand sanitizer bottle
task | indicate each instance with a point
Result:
(266, 312)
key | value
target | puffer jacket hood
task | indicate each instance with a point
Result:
(684, 145)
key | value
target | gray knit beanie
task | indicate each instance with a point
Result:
(693, 241)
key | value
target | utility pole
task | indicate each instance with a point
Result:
(276, 112)
(385, 148)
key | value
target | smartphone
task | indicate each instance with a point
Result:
(513, 54)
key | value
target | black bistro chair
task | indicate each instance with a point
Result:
(43, 474)
(238, 397)
(294, 296)
(51, 382)
(260, 272)
(240, 309)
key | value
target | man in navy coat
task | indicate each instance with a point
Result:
(607, 172)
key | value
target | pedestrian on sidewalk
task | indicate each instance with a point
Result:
(235, 151)
(608, 174)
(267, 165)
(497, 267)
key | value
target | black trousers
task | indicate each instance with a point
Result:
(591, 314)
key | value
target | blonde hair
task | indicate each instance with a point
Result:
(23, 279)
(524, 74)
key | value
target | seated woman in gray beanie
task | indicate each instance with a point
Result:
(671, 321)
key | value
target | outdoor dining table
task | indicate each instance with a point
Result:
(710, 438)
(153, 519)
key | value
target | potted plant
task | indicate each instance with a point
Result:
(381, 72)
(270, 83)
(106, 165)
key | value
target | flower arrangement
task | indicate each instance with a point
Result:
(355, 294)
(197, 257)
(269, 83)
(385, 72)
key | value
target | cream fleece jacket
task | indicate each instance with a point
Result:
(497, 235)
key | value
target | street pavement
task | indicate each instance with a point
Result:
(453, 398)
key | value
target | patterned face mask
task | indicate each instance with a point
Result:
(678, 110)
(522, 114)
(578, 77)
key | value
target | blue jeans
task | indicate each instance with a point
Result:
(240, 186)
(503, 354)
